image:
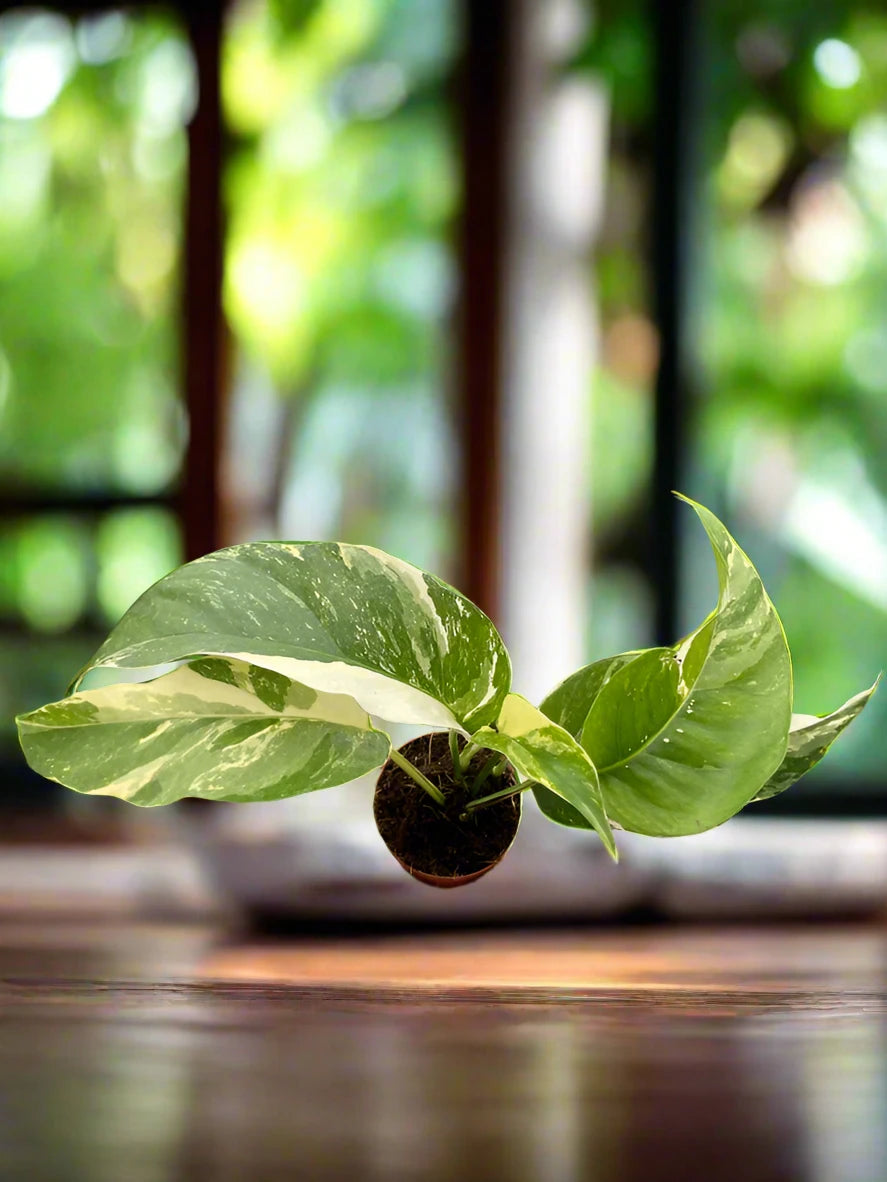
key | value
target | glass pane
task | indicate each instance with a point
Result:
(92, 168)
(45, 572)
(64, 580)
(790, 436)
(339, 278)
(58, 571)
(32, 674)
(133, 548)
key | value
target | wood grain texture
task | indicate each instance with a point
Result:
(155, 1053)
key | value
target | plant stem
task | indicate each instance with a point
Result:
(485, 772)
(502, 794)
(468, 753)
(454, 756)
(413, 772)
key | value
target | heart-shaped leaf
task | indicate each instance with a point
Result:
(541, 750)
(343, 619)
(684, 737)
(216, 728)
(809, 739)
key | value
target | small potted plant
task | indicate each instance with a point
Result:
(285, 661)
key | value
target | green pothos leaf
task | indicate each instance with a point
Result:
(219, 729)
(342, 619)
(542, 751)
(568, 705)
(684, 737)
(809, 738)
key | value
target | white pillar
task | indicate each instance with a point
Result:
(558, 133)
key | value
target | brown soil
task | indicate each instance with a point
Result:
(442, 841)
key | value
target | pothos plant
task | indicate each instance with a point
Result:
(288, 657)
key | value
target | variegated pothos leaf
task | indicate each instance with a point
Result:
(684, 737)
(542, 751)
(343, 619)
(216, 728)
(809, 738)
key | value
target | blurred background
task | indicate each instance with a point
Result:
(479, 284)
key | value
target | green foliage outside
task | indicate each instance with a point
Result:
(342, 190)
(92, 164)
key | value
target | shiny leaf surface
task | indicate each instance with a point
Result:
(683, 738)
(342, 619)
(809, 739)
(217, 729)
(568, 704)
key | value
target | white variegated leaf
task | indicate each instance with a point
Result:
(684, 737)
(809, 739)
(541, 750)
(343, 619)
(216, 728)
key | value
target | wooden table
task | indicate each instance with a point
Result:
(134, 1053)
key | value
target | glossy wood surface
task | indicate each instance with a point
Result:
(141, 1054)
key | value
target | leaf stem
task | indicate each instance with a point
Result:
(486, 771)
(502, 794)
(413, 772)
(454, 756)
(468, 753)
